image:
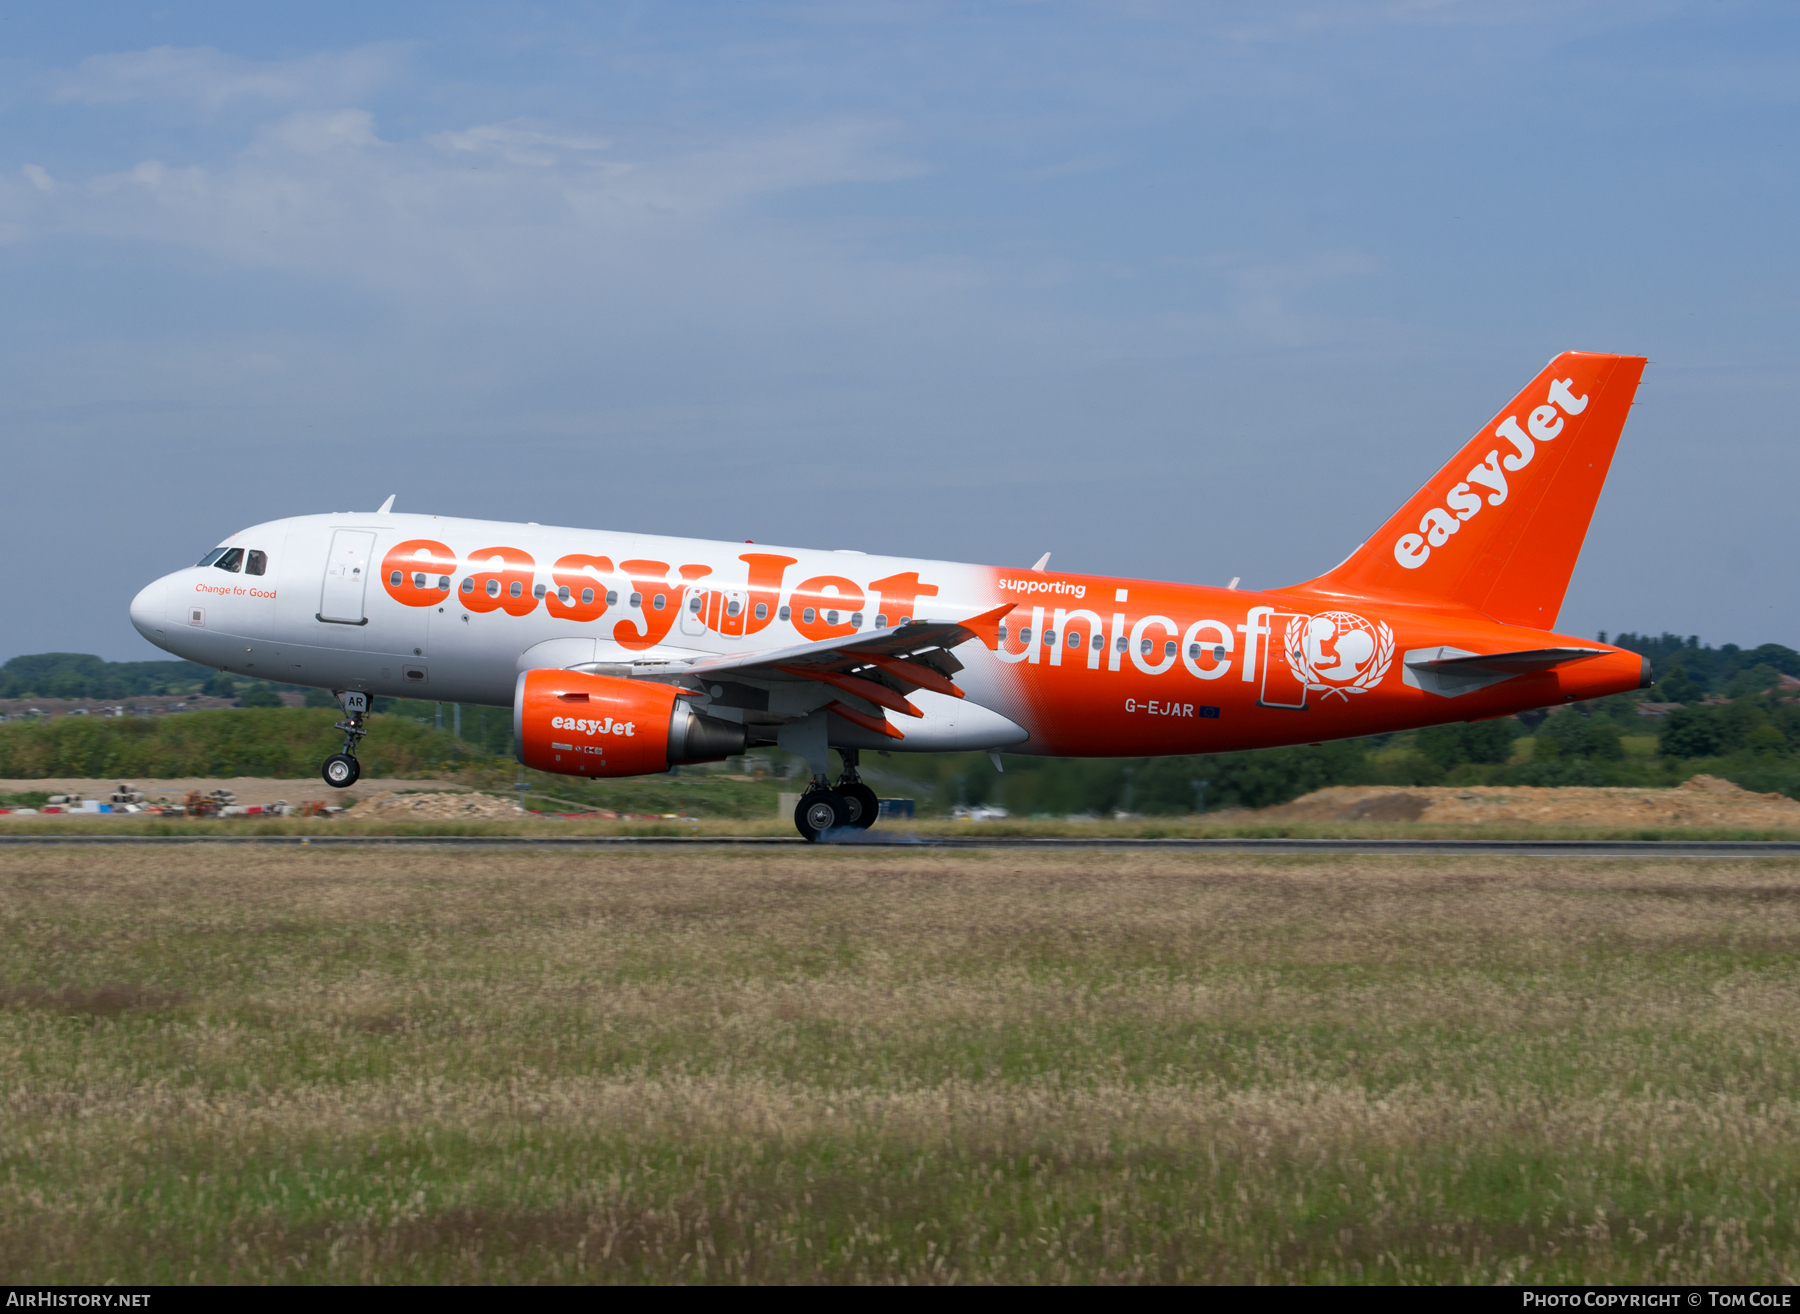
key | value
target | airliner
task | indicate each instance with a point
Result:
(628, 654)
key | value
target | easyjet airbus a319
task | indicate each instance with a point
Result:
(625, 654)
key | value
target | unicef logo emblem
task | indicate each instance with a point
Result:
(1338, 652)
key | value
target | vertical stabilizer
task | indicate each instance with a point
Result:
(1499, 527)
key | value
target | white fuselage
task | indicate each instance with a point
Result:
(337, 625)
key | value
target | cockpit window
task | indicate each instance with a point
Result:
(233, 560)
(256, 563)
(212, 556)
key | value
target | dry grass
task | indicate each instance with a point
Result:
(1209, 826)
(392, 1065)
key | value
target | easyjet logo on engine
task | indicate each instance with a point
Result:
(586, 726)
(1542, 425)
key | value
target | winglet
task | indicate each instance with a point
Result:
(986, 626)
(388, 505)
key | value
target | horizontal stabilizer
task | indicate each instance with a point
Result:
(1510, 663)
(1448, 672)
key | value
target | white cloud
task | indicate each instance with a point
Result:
(204, 76)
(318, 132)
(518, 142)
(515, 214)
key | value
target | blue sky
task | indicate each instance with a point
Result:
(1181, 290)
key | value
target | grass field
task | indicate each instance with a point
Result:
(1200, 827)
(853, 1065)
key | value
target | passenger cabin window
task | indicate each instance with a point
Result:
(659, 600)
(1002, 632)
(587, 597)
(493, 588)
(468, 586)
(637, 599)
(1049, 638)
(806, 617)
(233, 560)
(1169, 648)
(733, 607)
(856, 618)
(1123, 643)
(563, 595)
(831, 617)
(612, 597)
(1074, 639)
(1145, 646)
(538, 592)
(444, 583)
(881, 620)
(762, 611)
(518, 589)
(785, 612)
(257, 563)
(1099, 642)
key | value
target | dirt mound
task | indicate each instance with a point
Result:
(436, 807)
(1700, 801)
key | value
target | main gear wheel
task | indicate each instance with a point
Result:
(818, 812)
(861, 807)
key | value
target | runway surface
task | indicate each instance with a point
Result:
(1539, 848)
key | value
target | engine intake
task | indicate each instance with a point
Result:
(578, 724)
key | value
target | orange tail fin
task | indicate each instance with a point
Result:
(1498, 528)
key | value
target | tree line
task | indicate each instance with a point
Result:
(1727, 712)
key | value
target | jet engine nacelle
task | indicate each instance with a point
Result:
(598, 725)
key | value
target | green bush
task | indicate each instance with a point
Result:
(1569, 734)
(284, 742)
(82, 675)
(1478, 741)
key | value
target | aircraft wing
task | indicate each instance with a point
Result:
(873, 670)
(913, 639)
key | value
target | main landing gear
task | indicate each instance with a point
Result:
(849, 805)
(342, 770)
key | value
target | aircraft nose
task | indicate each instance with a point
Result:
(147, 610)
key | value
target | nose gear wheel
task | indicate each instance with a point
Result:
(342, 770)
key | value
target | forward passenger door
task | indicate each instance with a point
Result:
(347, 568)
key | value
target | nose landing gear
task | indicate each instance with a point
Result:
(849, 804)
(342, 770)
